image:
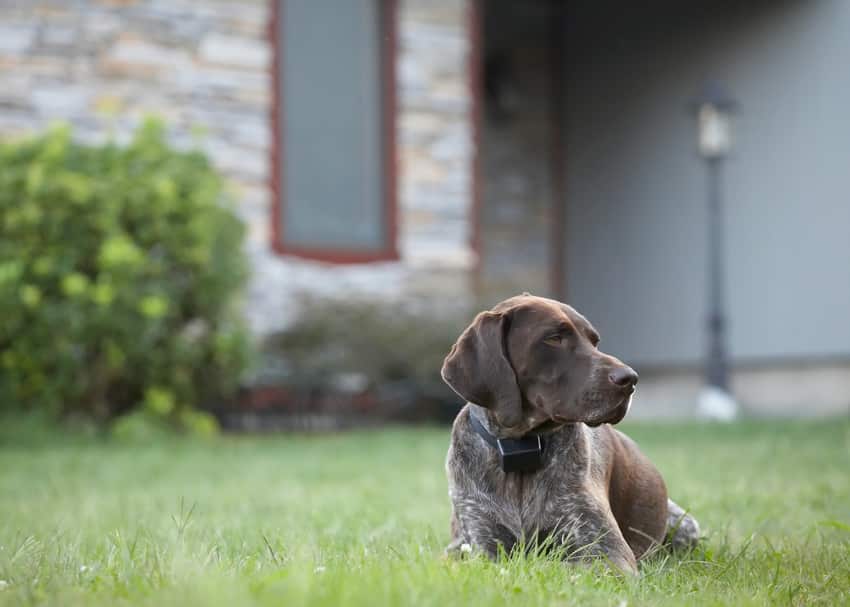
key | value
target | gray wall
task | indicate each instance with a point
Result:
(636, 219)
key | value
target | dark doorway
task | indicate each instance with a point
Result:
(521, 218)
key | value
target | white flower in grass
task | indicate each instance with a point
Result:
(319, 569)
(465, 548)
(83, 568)
(4, 584)
(503, 571)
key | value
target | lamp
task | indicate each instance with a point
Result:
(713, 109)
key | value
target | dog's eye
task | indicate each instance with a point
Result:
(556, 339)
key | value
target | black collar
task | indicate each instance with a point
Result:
(523, 454)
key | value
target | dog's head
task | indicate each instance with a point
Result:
(534, 361)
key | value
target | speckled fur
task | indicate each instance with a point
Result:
(564, 503)
(532, 364)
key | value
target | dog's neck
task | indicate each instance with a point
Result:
(528, 426)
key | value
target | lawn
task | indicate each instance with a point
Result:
(361, 519)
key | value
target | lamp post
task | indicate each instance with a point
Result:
(713, 108)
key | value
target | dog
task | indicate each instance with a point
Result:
(534, 459)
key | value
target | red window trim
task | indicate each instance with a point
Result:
(388, 29)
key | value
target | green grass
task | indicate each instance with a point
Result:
(361, 519)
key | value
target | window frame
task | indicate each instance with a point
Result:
(388, 27)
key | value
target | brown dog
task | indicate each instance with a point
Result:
(532, 454)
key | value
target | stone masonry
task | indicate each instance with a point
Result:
(204, 66)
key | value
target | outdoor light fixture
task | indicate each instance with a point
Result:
(713, 109)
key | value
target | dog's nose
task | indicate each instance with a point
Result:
(624, 377)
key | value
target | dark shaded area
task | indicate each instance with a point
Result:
(344, 364)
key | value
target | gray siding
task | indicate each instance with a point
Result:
(636, 216)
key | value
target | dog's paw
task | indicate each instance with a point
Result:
(458, 549)
(683, 532)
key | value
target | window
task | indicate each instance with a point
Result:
(334, 114)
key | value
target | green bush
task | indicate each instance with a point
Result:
(119, 267)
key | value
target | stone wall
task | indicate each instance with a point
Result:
(519, 134)
(204, 67)
(435, 147)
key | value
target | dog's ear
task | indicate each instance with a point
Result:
(477, 368)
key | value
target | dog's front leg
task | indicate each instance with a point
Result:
(588, 531)
(474, 530)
